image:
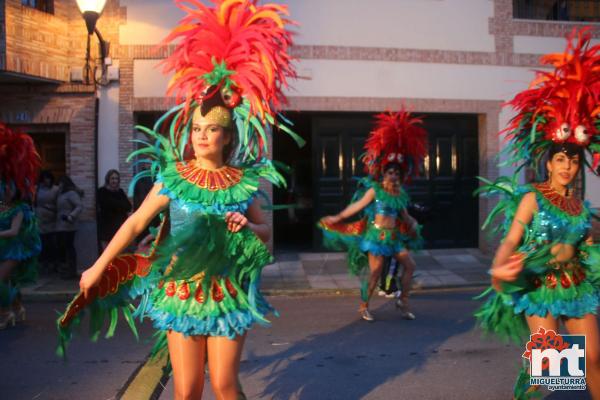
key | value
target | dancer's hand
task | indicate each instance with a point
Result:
(331, 219)
(235, 221)
(89, 278)
(508, 271)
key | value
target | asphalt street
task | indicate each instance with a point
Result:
(317, 349)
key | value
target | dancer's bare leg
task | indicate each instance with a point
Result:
(375, 267)
(588, 326)
(408, 270)
(224, 357)
(188, 357)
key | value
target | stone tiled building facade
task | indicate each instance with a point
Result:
(354, 58)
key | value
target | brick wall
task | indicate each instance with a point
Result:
(72, 107)
(47, 45)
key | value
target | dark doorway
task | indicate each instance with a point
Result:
(445, 187)
(51, 148)
(293, 227)
(449, 181)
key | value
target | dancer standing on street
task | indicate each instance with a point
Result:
(394, 152)
(547, 270)
(200, 281)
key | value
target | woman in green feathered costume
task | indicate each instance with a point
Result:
(547, 270)
(394, 151)
(199, 284)
(19, 236)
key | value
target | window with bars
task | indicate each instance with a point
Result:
(557, 10)
(42, 5)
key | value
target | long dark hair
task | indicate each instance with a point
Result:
(67, 184)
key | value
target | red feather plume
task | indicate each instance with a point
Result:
(563, 104)
(19, 160)
(397, 137)
(236, 45)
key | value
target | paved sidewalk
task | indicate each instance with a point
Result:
(297, 273)
(325, 271)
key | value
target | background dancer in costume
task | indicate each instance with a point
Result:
(19, 237)
(200, 282)
(394, 151)
(547, 269)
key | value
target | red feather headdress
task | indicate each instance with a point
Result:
(233, 53)
(560, 106)
(19, 160)
(237, 46)
(398, 138)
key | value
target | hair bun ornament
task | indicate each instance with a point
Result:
(560, 106)
(397, 137)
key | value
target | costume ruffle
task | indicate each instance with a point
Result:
(24, 247)
(218, 297)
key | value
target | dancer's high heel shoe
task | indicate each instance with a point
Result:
(404, 310)
(20, 314)
(7, 319)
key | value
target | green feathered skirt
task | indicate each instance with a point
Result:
(567, 289)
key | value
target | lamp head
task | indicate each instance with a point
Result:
(91, 10)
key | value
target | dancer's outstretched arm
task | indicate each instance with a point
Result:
(507, 265)
(131, 228)
(352, 209)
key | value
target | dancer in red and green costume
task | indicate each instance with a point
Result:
(199, 282)
(394, 151)
(547, 270)
(19, 237)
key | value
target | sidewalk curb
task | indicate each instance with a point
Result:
(66, 296)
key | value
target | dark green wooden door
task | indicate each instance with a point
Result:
(337, 142)
(449, 181)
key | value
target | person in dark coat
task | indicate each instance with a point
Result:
(113, 207)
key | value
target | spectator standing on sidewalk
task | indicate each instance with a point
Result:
(45, 210)
(113, 207)
(69, 208)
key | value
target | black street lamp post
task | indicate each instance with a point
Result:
(91, 11)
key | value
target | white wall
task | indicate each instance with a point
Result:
(148, 79)
(148, 21)
(342, 78)
(403, 79)
(420, 24)
(592, 188)
(108, 130)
